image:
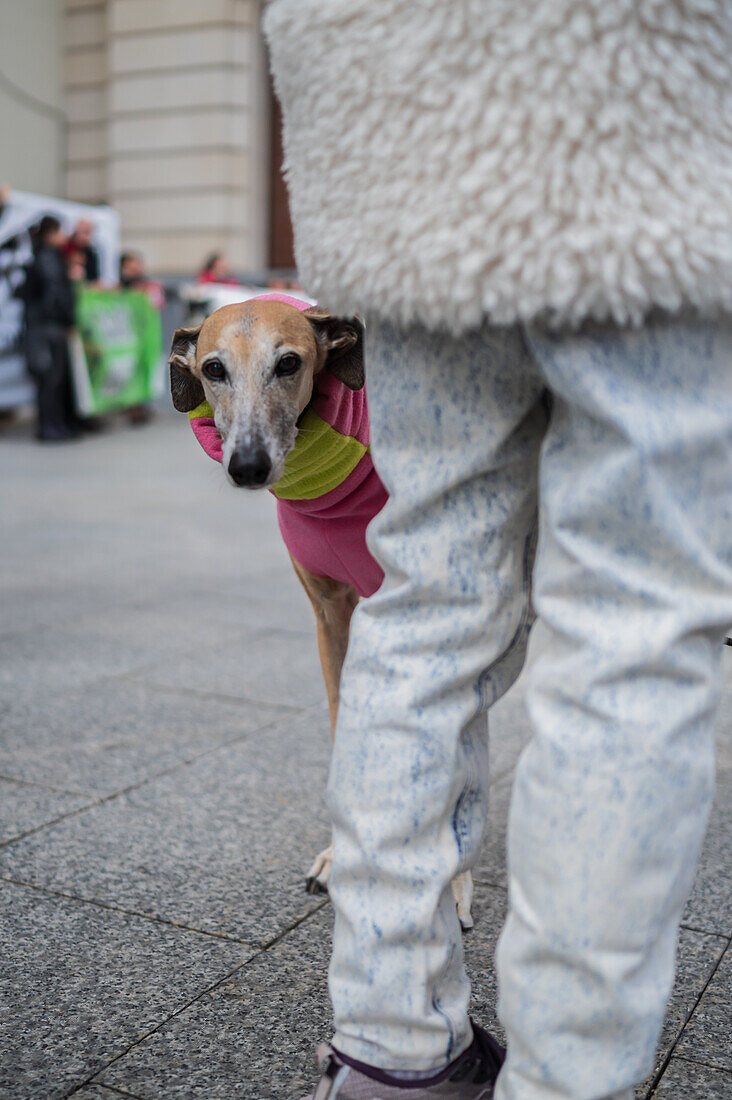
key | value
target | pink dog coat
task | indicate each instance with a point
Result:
(329, 491)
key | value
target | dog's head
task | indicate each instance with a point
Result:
(255, 363)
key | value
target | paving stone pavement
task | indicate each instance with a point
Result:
(163, 755)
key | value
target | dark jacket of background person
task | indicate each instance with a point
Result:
(456, 161)
(49, 306)
(49, 293)
(88, 255)
(91, 262)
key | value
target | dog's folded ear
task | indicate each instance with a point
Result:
(185, 389)
(342, 338)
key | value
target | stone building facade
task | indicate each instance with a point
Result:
(165, 112)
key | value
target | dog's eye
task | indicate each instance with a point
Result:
(214, 370)
(288, 364)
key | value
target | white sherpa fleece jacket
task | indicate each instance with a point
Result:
(455, 160)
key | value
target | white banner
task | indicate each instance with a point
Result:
(22, 211)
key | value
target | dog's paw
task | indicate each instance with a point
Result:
(316, 881)
(462, 891)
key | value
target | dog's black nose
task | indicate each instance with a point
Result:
(250, 467)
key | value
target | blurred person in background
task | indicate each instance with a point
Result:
(133, 276)
(531, 206)
(76, 267)
(49, 308)
(82, 256)
(217, 269)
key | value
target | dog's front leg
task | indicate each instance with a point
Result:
(333, 603)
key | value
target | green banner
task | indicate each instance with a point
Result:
(117, 352)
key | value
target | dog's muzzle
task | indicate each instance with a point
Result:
(250, 468)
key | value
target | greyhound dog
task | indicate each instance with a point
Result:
(274, 390)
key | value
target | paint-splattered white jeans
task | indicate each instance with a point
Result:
(632, 586)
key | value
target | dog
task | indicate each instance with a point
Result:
(274, 389)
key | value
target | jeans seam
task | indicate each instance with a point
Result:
(481, 682)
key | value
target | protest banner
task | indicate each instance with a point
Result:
(117, 350)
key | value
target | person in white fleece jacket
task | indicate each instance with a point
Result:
(530, 201)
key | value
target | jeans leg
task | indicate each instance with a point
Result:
(633, 591)
(456, 428)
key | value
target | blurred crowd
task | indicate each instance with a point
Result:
(46, 276)
(59, 263)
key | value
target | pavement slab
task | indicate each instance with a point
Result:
(489, 912)
(33, 602)
(265, 666)
(86, 992)
(34, 663)
(696, 958)
(254, 1037)
(706, 1037)
(210, 620)
(207, 1050)
(173, 648)
(25, 806)
(125, 516)
(268, 600)
(710, 904)
(117, 734)
(221, 845)
(684, 1080)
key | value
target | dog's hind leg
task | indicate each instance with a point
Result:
(462, 891)
(333, 603)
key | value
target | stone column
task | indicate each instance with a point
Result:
(187, 130)
(84, 43)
